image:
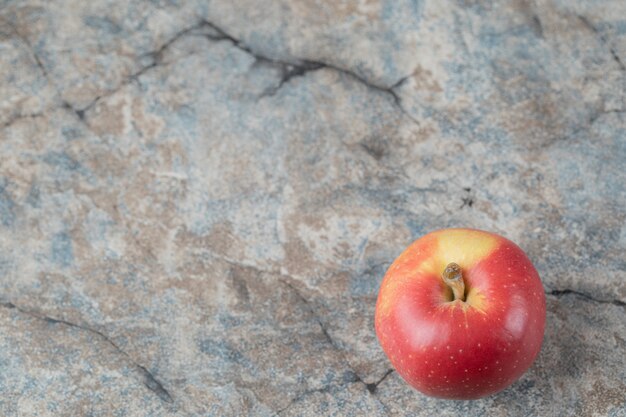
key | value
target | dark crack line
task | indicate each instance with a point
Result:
(290, 71)
(311, 310)
(223, 35)
(566, 292)
(372, 386)
(283, 279)
(537, 26)
(594, 117)
(15, 32)
(402, 80)
(155, 59)
(79, 113)
(38, 62)
(304, 66)
(586, 126)
(29, 46)
(20, 117)
(150, 380)
(603, 40)
(397, 101)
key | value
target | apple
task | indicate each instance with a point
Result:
(461, 313)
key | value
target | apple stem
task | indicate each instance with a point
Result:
(453, 277)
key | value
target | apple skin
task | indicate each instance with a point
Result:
(461, 349)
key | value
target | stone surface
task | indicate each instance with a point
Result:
(198, 200)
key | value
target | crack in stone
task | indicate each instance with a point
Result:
(603, 40)
(593, 118)
(537, 26)
(155, 59)
(371, 387)
(150, 380)
(38, 62)
(282, 278)
(29, 46)
(565, 292)
(304, 66)
(79, 113)
(385, 90)
(290, 71)
(20, 117)
(311, 310)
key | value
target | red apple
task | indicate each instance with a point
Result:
(461, 313)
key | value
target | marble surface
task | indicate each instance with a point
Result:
(199, 199)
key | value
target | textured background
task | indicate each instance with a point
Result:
(199, 199)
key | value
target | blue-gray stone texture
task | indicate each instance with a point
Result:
(199, 199)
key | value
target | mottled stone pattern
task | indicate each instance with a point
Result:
(199, 199)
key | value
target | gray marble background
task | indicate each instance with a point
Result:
(199, 199)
